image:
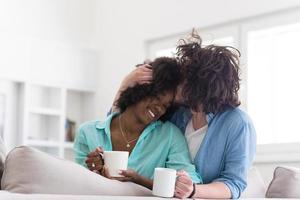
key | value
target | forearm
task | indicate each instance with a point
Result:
(114, 107)
(215, 190)
(146, 182)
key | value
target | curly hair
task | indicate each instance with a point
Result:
(211, 75)
(166, 77)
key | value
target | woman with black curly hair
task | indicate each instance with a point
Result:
(221, 137)
(139, 128)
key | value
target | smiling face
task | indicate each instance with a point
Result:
(152, 108)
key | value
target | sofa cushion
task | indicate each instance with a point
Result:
(28, 170)
(256, 187)
(285, 183)
(2, 158)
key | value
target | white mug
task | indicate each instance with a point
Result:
(164, 182)
(115, 161)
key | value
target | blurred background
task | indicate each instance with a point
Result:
(61, 62)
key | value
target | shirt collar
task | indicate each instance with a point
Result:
(106, 125)
(188, 115)
(209, 117)
(149, 128)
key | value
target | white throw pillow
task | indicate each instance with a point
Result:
(285, 183)
(256, 187)
(28, 170)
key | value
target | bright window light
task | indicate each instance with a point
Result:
(273, 83)
(224, 41)
(170, 52)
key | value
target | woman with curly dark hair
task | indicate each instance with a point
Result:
(139, 128)
(220, 136)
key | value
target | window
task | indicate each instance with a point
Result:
(273, 83)
(270, 72)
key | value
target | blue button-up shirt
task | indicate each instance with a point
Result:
(227, 150)
(160, 145)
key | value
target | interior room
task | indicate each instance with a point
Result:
(63, 61)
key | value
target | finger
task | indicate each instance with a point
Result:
(186, 184)
(145, 70)
(92, 154)
(89, 160)
(106, 172)
(179, 190)
(145, 77)
(144, 73)
(102, 173)
(94, 162)
(99, 149)
(98, 167)
(182, 173)
(127, 173)
(145, 82)
(147, 61)
(146, 67)
(95, 152)
(183, 187)
(89, 165)
(94, 167)
(184, 179)
(123, 179)
(179, 195)
(97, 159)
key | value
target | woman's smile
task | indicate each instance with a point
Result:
(153, 113)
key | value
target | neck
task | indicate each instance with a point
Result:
(131, 124)
(199, 120)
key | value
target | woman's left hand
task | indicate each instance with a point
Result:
(184, 185)
(129, 176)
(132, 176)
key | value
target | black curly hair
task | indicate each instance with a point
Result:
(211, 75)
(166, 77)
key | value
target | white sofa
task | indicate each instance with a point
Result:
(30, 171)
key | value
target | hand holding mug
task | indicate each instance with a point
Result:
(184, 185)
(95, 161)
(129, 175)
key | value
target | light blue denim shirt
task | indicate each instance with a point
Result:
(160, 145)
(227, 150)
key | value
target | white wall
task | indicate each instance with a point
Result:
(125, 26)
(48, 41)
(68, 21)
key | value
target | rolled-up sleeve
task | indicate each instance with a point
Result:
(239, 155)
